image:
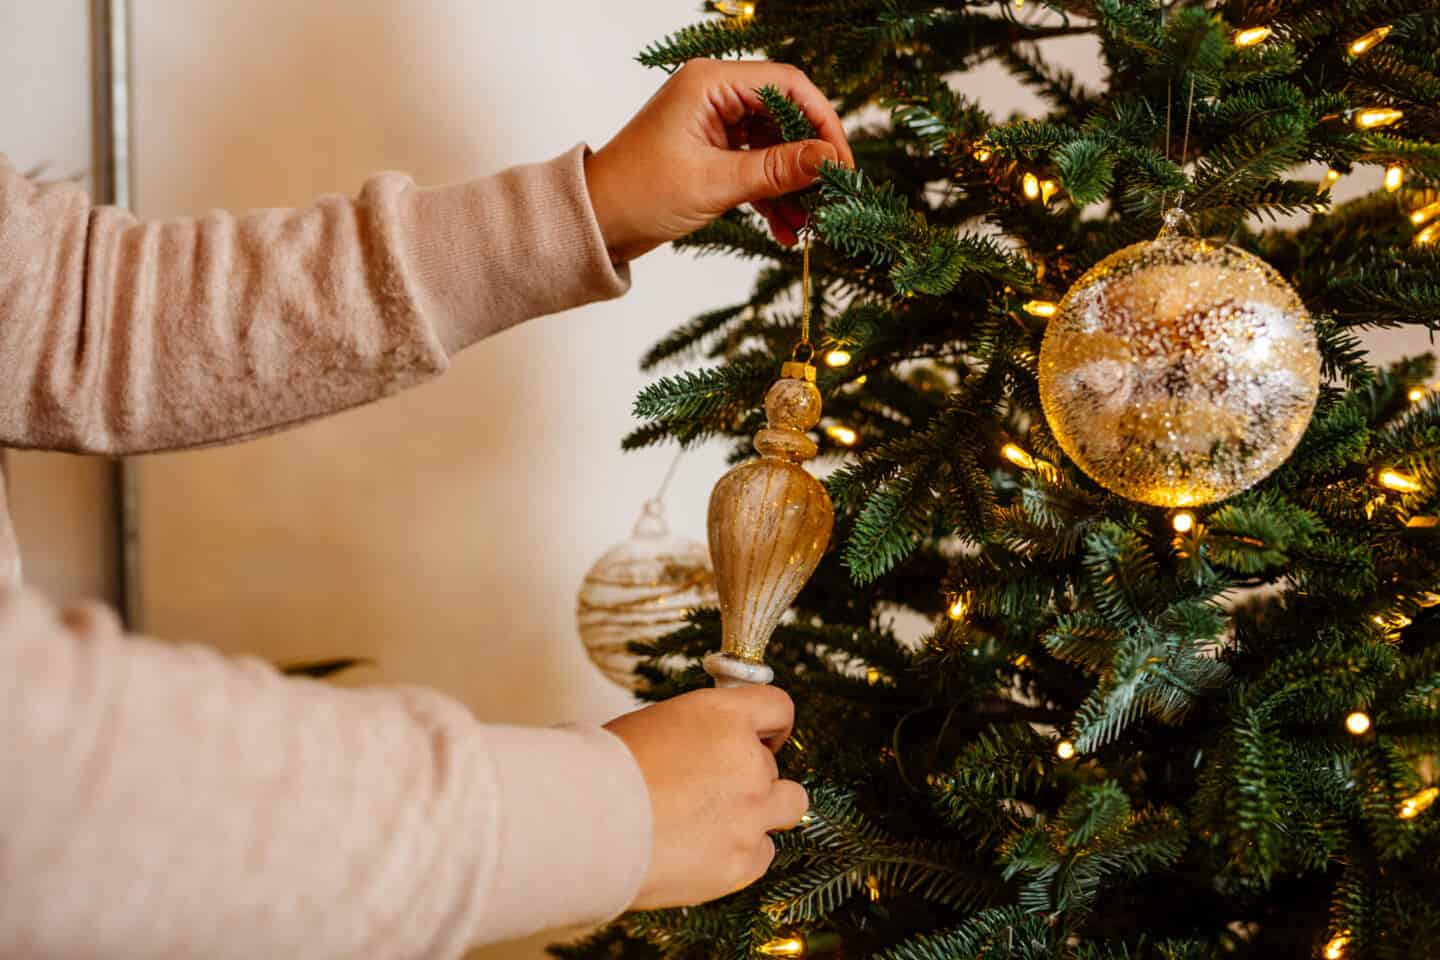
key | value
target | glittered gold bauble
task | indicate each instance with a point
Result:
(769, 525)
(640, 590)
(1179, 372)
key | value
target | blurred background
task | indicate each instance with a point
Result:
(442, 533)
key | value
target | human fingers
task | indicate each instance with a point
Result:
(786, 805)
(746, 77)
(770, 711)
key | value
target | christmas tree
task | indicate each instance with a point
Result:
(1129, 731)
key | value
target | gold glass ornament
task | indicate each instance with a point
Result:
(1178, 372)
(640, 590)
(769, 524)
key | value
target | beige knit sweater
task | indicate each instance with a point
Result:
(164, 801)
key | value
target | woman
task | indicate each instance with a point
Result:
(164, 801)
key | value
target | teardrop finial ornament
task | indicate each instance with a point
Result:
(769, 524)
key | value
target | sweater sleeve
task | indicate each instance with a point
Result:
(164, 801)
(123, 336)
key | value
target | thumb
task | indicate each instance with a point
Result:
(778, 170)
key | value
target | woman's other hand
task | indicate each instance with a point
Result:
(715, 793)
(704, 144)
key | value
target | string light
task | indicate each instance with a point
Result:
(1031, 185)
(1065, 750)
(1358, 723)
(1183, 522)
(1331, 175)
(981, 154)
(735, 8)
(959, 607)
(1394, 177)
(1251, 36)
(1048, 189)
(860, 380)
(1427, 236)
(1428, 212)
(1365, 41)
(837, 358)
(1416, 394)
(1335, 949)
(1040, 308)
(842, 434)
(872, 887)
(873, 675)
(784, 947)
(1375, 117)
(1399, 482)
(1418, 804)
(1017, 456)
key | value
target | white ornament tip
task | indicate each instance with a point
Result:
(729, 671)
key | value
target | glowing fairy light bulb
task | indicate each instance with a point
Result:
(1048, 189)
(1375, 117)
(1418, 804)
(1017, 456)
(1041, 308)
(1251, 36)
(981, 154)
(1031, 185)
(841, 434)
(1428, 212)
(1183, 522)
(1065, 750)
(1427, 236)
(1335, 949)
(1358, 723)
(1416, 394)
(1365, 41)
(1331, 175)
(1394, 177)
(959, 607)
(735, 8)
(784, 947)
(837, 358)
(1399, 482)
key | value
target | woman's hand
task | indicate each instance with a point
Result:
(682, 161)
(715, 793)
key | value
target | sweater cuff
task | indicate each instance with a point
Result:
(574, 831)
(492, 252)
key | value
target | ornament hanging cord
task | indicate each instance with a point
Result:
(659, 497)
(1184, 143)
(803, 350)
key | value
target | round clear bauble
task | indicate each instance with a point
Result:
(1178, 372)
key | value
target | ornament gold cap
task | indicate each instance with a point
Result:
(798, 370)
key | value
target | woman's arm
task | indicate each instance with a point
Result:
(122, 336)
(165, 801)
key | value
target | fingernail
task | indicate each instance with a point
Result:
(810, 159)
